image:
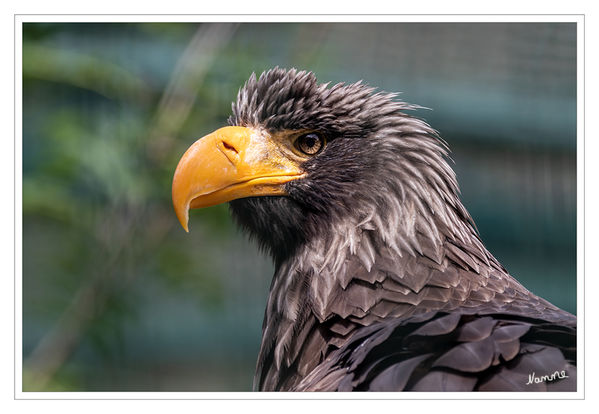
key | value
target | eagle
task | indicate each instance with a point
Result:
(381, 280)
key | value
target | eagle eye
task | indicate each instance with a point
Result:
(310, 144)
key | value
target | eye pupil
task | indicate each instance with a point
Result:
(310, 143)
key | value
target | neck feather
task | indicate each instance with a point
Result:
(382, 261)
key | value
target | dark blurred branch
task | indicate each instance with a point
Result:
(90, 300)
(56, 346)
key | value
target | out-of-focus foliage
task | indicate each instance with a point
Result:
(117, 297)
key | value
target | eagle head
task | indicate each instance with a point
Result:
(298, 157)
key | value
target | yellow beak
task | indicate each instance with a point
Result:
(230, 163)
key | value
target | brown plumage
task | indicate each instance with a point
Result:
(382, 282)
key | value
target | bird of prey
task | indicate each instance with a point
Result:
(381, 280)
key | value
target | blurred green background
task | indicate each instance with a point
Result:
(117, 297)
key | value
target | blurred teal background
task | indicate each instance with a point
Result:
(117, 297)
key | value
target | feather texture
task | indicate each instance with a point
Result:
(382, 282)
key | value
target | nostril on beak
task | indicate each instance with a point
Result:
(229, 147)
(230, 152)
